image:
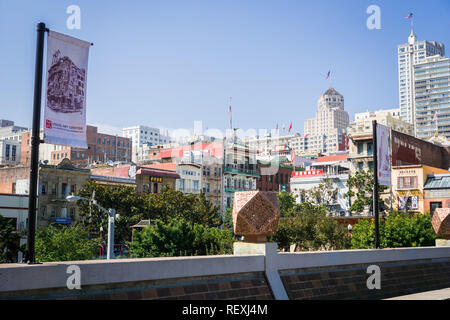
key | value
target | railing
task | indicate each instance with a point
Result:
(237, 170)
(233, 189)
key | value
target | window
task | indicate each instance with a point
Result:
(360, 165)
(72, 213)
(371, 165)
(73, 188)
(370, 148)
(360, 148)
(407, 182)
(54, 189)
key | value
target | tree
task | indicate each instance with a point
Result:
(227, 218)
(323, 194)
(311, 229)
(398, 230)
(9, 241)
(128, 205)
(206, 213)
(177, 238)
(287, 204)
(64, 244)
(361, 186)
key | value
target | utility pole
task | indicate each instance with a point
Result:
(30, 257)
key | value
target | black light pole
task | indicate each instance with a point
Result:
(375, 184)
(35, 140)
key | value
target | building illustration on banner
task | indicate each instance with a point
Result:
(66, 85)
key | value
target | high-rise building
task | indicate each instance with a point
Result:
(409, 54)
(327, 131)
(432, 97)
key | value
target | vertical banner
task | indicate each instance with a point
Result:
(65, 108)
(384, 163)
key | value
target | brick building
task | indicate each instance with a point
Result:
(101, 149)
(274, 176)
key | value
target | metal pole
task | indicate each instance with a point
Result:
(35, 140)
(110, 251)
(375, 184)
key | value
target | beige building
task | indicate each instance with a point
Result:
(212, 180)
(360, 135)
(408, 186)
(56, 182)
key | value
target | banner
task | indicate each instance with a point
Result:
(383, 152)
(65, 108)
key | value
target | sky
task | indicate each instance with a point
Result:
(172, 62)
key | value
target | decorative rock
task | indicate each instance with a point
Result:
(255, 215)
(441, 222)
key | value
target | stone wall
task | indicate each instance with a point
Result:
(310, 275)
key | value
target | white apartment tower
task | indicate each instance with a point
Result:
(432, 97)
(409, 54)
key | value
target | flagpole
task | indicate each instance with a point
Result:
(35, 141)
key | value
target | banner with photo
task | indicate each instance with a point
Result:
(383, 152)
(65, 108)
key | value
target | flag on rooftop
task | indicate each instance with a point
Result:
(290, 127)
(328, 75)
(409, 16)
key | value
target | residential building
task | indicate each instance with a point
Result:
(212, 168)
(432, 97)
(153, 180)
(410, 54)
(360, 135)
(436, 192)
(56, 182)
(333, 168)
(240, 172)
(14, 207)
(275, 175)
(102, 148)
(408, 186)
(9, 152)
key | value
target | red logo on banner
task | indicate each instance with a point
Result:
(48, 124)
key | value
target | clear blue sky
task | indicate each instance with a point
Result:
(168, 63)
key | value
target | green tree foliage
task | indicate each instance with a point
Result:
(227, 218)
(9, 241)
(123, 199)
(164, 206)
(287, 204)
(361, 192)
(309, 228)
(176, 237)
(64, 244)
(323, 194)
(398, 230)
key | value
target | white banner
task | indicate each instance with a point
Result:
(65, 108)
(383, 152)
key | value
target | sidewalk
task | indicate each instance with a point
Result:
(443, 294)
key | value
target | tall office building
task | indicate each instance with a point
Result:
(432, 97)
(410, 54)
(327, 131)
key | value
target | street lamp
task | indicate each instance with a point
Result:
(111, 216)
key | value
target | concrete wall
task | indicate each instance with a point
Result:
(315, 275)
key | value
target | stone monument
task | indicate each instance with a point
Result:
(255, 216)
(441, 225)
